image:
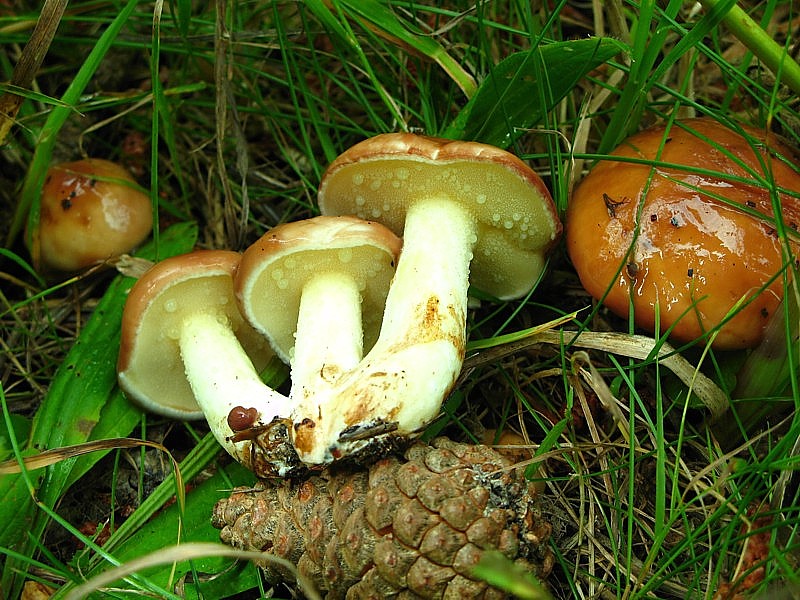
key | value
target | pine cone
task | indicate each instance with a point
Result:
(405, 528)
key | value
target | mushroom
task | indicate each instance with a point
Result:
(316, 289)
(467, 212)
(91, 210)
(187, 352)
(678, 224)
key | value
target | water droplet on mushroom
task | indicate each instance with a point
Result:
(375, 184)
(283, 284)
(173, 333)
(402, 173)
(358, 179)
(376, 213)
(481, 199)
(508, 224)
(496, 218)
(277, 274)
(171, 305)
(291, 263)
(345, 255)
(360, 201)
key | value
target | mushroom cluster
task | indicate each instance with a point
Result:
(374, 336)
(678, 227)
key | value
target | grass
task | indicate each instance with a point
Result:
(229, 113)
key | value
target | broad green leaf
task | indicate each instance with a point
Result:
(161, 531)
(519, 90)
(499, 571)
(16, 507)
(22, 429)
(83, 402)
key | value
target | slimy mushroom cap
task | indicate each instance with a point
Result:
(681, 223)
(91, 210)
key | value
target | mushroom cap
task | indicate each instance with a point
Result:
(689, 242)
(149, 368)
(517, 221)
(91, 210)
(275, 268)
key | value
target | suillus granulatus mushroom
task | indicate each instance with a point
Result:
(316, 289)
(187, 352)
(91, 210)
(679, 223)
(467, 212)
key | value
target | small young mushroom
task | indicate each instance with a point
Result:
(683, 227)
(316, 289)
(187, 352)
(467, 212)
(91, 210)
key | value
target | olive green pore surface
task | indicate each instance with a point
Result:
(155, 370)
(274, 292)
(515, 227)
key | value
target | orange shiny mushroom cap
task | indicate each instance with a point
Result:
(91, 210)
(692, 241)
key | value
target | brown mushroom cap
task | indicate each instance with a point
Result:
(693, 243)
(150, 368)
(91, 210)
(379, 178)
(275, 269)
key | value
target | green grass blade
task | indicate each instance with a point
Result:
(381, 19)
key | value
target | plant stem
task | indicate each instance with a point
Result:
(768, 51)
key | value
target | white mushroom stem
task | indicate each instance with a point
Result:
(329, 336)
(403, 380)
(222, 377)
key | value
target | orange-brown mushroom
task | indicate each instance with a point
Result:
(682, 226)
(91, 210)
